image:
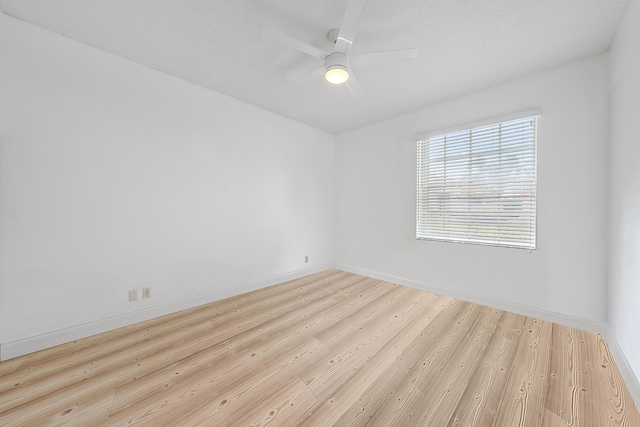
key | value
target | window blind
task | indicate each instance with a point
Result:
(479, 185)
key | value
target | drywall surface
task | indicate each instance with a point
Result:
(624, 260)
(115, 177)
(375, 191)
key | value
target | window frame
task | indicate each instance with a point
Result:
(494, 241)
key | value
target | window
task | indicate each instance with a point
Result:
(479, 185)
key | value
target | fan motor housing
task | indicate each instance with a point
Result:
(336, 58)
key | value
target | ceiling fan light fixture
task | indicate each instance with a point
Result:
(336, 68)
(336, 74)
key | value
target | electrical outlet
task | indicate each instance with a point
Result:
(146, 292)
(133, 295)
(306, 258)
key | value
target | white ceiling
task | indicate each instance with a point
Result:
(464, 45)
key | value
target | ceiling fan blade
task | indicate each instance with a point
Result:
(296, 78)
(354, 85)
(350, 24)
(293, 42)
(382, 57)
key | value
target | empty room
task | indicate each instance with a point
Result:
(319, 213)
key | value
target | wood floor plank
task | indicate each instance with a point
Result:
(440, 367)
(212, 396)
(252, 392)
(95, 359)
(550, 419)
(354, 350)
(330, 409)
(401, 303)
(481, 400)
(562, 394)
(388, 388)
(217, 365)
(248, 316)
(333, 348)
(8, 367)
(451, 376)
(30, 387)
(589, 376)
(345, 395)
(284, 407)
(523, 402)
(608, 385)
(31, 403)
(86, 410)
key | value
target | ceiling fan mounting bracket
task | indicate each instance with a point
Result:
(333, 35)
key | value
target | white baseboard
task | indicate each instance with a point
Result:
(601, 328)
(17, 348)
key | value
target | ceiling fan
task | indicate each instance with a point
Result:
(338, 63)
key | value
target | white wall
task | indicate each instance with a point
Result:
(114, 176)
(624, 260)
(375, 197)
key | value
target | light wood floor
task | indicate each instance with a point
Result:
(329, 349)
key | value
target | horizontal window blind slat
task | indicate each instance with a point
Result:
(514, 150)
(478, 233)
